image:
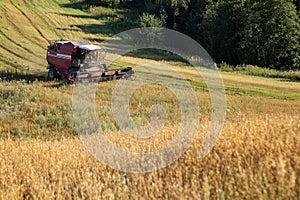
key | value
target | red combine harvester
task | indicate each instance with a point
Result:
(81, 60)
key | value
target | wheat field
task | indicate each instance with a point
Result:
(257, 155)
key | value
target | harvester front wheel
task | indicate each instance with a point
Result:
(52, 74)
(72, 73)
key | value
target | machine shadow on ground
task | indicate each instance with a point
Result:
(14, 76)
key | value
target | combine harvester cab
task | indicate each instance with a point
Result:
(82, 61)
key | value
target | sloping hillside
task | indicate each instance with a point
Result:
(26, 26)
(42, 157)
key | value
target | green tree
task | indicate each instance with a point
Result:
(195, 16)
(272, 34)
(151, 35)
(264, 33)
(220, 29)
(173, 12)
(297, 4)
(149, 20)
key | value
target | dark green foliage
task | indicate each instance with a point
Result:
(271, 35)
(259, 71)
(148, 20)
(196, 11)
(297, 4)
(107, 3)
(264, 33)
(221, 27)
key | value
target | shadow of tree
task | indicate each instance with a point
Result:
(114, 23)
(75, 5)
(108, 28)
(156, 54)
(97, 16)
(295, 79)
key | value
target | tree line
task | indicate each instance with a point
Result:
(264, 33)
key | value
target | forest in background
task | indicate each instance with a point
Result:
(263, 33)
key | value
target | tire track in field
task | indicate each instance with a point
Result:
(31, 22)
(18, 29)
(48, 22)
(12, 64)
(18, 66)
(19, 45)
(17, 55)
